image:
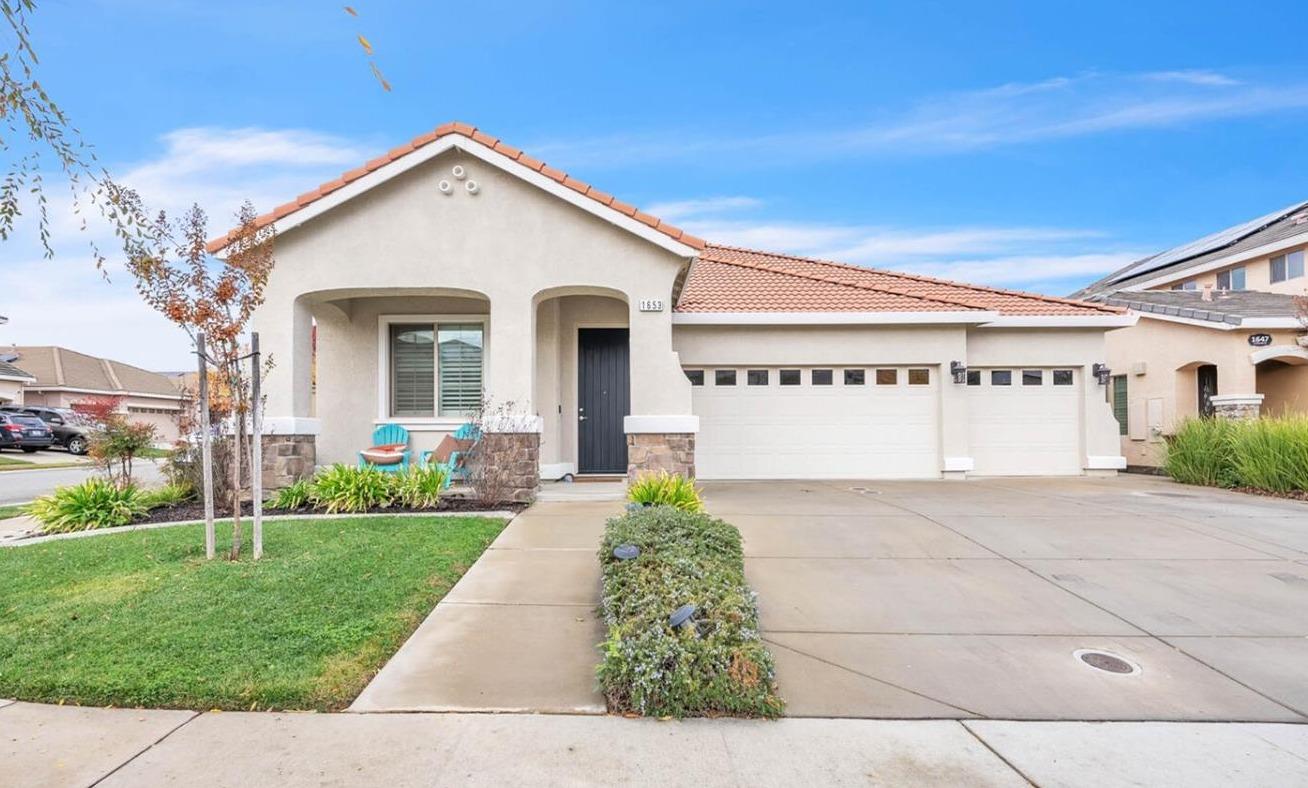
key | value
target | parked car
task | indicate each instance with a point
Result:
(71, 430)
(22, 431)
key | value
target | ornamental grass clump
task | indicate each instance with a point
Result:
(94, 503)
(341, 488)
(716, 663)
(1264, 454)
(665, 489)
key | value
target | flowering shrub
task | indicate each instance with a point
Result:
(714, 664)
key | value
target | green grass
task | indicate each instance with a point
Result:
(12, 511)
(10, 462)
(141, 619)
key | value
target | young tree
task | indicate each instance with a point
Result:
(215, 297)
(115, 440)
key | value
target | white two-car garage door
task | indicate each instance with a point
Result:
(834, 423)
(1024, 422)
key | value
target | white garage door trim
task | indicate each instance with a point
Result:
(1029, 427)
(842, 430)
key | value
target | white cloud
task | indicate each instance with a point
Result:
(1009, 114)
(672, 211)
(66, 301)
(1042, 259)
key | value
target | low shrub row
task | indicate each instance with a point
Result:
(1266, 454)
(713, 664)
(99, 503)
(344, 488)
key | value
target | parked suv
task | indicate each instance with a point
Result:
(69, 428)
(23, 431)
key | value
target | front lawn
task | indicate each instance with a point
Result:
(15, 510)
(141, 619)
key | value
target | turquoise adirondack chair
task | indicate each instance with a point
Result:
(455, 467)
(387, 434)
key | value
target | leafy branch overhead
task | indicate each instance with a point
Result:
(34, 130)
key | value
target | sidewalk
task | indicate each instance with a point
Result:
(67, 746)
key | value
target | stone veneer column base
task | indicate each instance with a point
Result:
(1236, 407)
(515, 469)
(288, 459)
(651, 452)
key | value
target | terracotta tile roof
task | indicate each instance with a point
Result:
(493, 143)
(729, 279)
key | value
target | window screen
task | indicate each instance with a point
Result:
(460, 355)
(413, 370)
(1119, 402)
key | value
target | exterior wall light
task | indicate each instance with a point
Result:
(1102, 373)
(958, 370)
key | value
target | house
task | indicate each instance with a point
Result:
(62, 378)
(12, 379)
(456, 269)
(1220, 331)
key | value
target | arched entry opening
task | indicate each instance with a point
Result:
(1281, 376)
(1196, 384)
(582, 380)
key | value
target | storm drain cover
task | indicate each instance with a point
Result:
(1109, 663)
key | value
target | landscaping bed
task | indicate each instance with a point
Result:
(1267, 456)
(141, 619)
(194, 510)
(714, 664)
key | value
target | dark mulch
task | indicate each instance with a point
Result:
(1294, 495)
(192, 510)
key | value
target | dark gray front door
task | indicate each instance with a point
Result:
(1207, 379)
(603, 399)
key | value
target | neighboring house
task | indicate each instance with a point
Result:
(65, 377)
(457, 269)
(1219, 330)
(12, 379)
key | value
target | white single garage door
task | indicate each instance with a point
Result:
(1024, 421)
(816, 423)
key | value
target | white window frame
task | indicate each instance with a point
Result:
(1230, 279)
(421, 423)
(1284, 257)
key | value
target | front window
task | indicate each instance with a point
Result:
(1231, 280)
(436, 369)
(1287, 266)
(1190, 285)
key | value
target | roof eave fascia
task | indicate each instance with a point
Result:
(963, 317)
(19, 378)
(455, 140)
(1063, 321)
(1216, 325)
(1298, 239)
(1272, 322)
(105, 392)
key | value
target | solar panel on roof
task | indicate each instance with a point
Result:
(1206, 244)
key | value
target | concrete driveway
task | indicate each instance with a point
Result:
(973, 599)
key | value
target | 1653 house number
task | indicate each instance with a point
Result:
(650, 304)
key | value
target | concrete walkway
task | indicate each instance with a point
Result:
(59, 746)
(519, 630)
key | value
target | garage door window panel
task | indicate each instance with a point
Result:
(854, 377)
(757, 377)
(919, 377)
(1001, 377)
(789, 377)
(1033, 377)
(695, 376)
(1063, 377)
(821, 377)
(724, 377)
(887, 377)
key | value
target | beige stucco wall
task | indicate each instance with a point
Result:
(1284, 388)
(1170, 352)
(1257, 273)
(11, 392)
(511, 244)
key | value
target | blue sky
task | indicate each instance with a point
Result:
(1025, 145)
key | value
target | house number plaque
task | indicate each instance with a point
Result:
(1260, 340)
(651, 305)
